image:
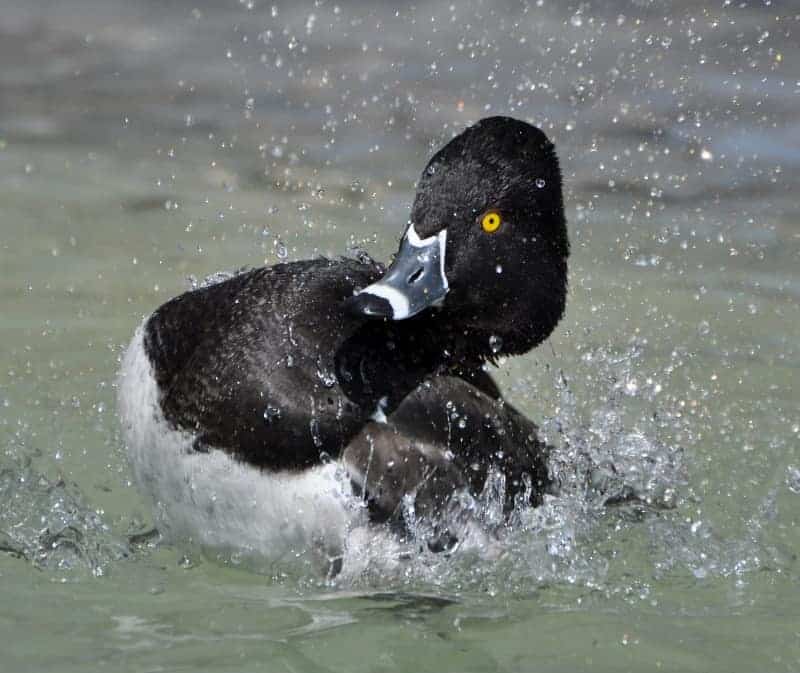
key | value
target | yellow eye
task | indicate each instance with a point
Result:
(491, 221)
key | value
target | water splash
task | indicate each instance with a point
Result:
(606, 473)
(214, 278)
(614, 478)
(48, 523)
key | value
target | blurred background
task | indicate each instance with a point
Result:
(147, 145)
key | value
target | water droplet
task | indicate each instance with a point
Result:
(327, 378)
(313, 427)
(706, 155)
(271, 414)
(498, 268)
(793, 479)
(495, 343)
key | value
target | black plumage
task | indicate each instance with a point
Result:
(283, 369)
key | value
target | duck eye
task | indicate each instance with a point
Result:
(491, 221)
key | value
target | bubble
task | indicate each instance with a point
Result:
(495, 343)
(540, 183)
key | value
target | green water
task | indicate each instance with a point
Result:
(144, 146)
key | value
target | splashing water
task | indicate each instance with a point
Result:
(603, 471)
(48, 523)
(214, 278)
(612, 479)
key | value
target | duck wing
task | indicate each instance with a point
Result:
(442, 440)
(246, 364)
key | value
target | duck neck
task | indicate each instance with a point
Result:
(508, 328)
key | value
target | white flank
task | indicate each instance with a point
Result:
(224, 506)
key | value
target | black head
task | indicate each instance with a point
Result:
(487, 240)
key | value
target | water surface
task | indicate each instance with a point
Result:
(144, 146)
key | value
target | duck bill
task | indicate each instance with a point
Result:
(414, 281)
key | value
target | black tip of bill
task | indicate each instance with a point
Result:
(368, 306)
(414, 281)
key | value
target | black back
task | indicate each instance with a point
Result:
(269, 367)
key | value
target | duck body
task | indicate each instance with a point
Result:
(322, 385)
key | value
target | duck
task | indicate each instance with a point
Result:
(269, 413)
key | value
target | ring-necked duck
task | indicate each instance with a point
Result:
(244, 403)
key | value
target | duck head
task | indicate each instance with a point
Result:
(486, 247)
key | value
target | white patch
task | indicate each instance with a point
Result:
(397, 300)
(413, 237)
(225, 507)
(442, 250)
(379, 415)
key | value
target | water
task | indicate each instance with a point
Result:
(144, 147)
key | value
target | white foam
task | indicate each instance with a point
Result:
(224, 506)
